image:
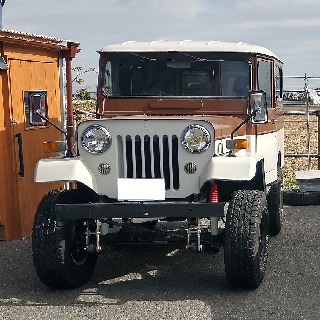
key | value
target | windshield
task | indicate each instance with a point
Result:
(139, 76)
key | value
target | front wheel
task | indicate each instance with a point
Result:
(246, 239)
(58, 247)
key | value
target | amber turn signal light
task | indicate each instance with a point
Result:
(237, 144)
(54, 146)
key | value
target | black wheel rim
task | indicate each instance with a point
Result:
(78, 252)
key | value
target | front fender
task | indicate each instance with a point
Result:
(64, 169)
(230, 169)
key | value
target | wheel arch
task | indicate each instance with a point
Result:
(227, 187)
(65, 169)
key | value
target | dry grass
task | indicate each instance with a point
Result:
(84, 110)
(295, 130)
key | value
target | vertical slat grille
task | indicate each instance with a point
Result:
(150, 157)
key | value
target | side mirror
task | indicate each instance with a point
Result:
(258, 107)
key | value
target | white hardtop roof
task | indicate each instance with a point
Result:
(187, 46)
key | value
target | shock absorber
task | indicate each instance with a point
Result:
(213, 197)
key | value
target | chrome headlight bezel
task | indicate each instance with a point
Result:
(196, 138)
(100, 135)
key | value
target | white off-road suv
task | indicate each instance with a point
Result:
(187, 131)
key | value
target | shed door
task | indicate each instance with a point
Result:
(34, 86)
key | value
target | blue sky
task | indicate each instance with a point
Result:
(289, 28)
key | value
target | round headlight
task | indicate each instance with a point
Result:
(195, 138)
(96, 139)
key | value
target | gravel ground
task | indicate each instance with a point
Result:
(183, 285)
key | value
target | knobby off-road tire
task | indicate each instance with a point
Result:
(58, 246)
(246, 239)
(298, 198)
(275, 206)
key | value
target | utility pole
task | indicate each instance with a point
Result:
(2, 2)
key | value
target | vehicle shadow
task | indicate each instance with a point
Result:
(161, 273)
(166, 273)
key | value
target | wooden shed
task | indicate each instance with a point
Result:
(31, 82)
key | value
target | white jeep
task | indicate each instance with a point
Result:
(185, 131)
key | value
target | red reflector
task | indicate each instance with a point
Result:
(213, 197)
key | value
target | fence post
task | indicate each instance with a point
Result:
(306, 93)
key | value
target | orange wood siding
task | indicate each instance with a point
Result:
(30, 69)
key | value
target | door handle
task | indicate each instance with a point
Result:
(21, 163)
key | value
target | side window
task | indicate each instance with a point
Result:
(265, 79)
(35, 105)
(107, 83)
(279, 82)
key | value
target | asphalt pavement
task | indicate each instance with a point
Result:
(170, 283)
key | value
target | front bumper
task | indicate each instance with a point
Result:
(139, 210)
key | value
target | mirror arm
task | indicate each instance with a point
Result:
(242, 123)
(53, 124)
(68, 152)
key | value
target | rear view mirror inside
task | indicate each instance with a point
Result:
(179, 64)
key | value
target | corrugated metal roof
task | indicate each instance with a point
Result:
(31, 37)
(187, 46)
